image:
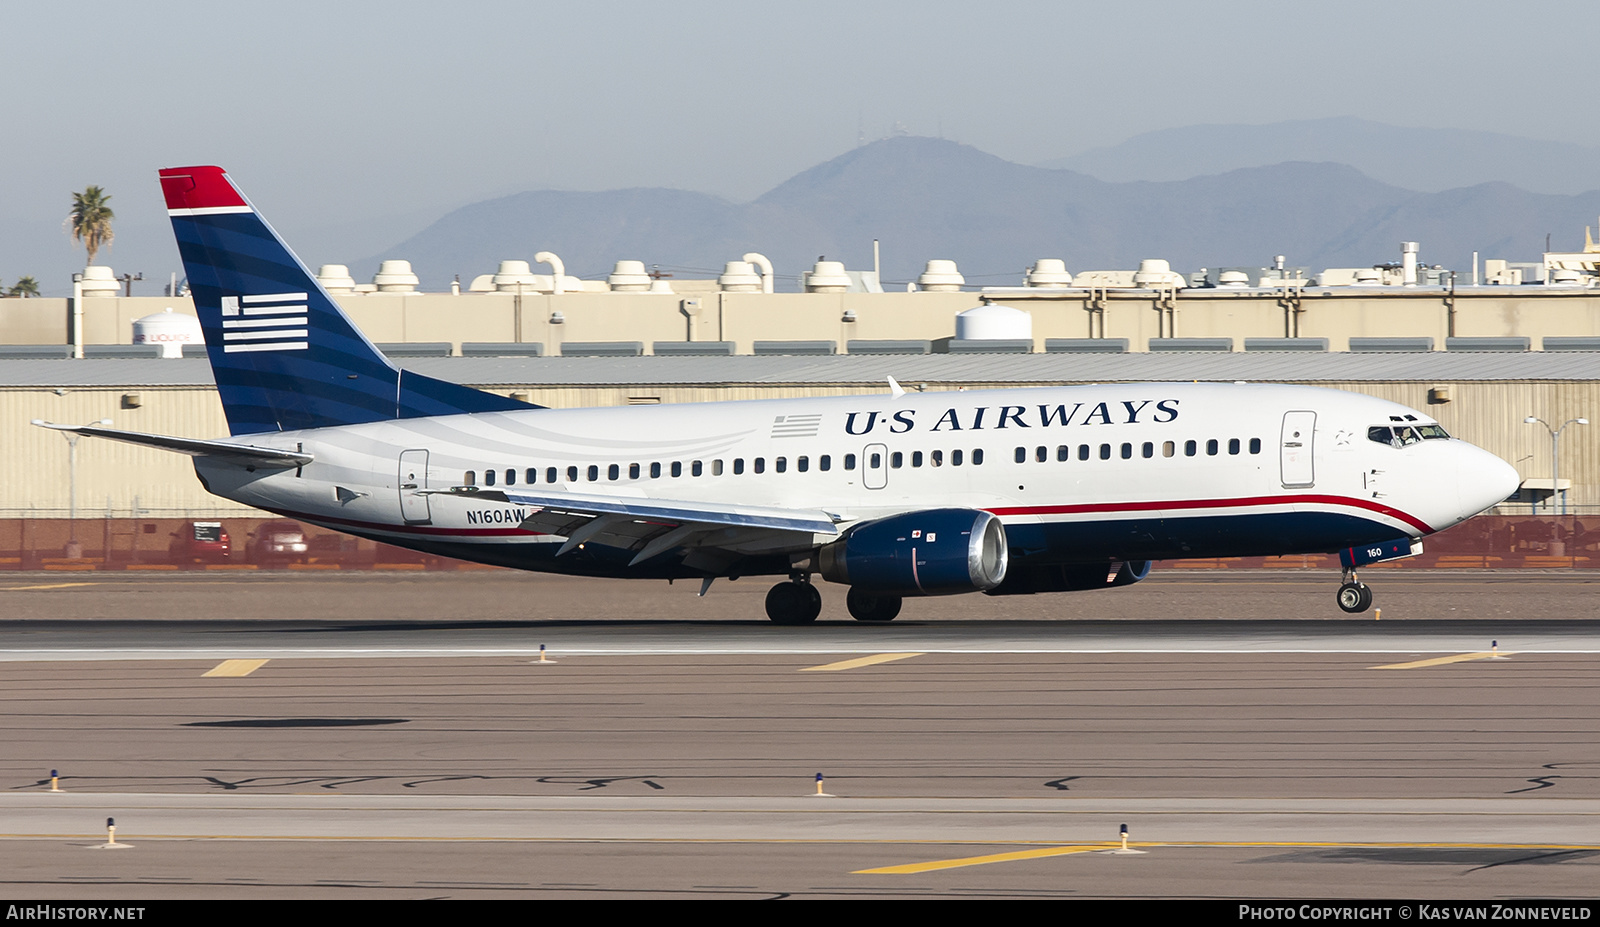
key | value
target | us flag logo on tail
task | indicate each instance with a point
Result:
(267, 322)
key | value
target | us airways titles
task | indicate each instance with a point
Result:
(1043, 415)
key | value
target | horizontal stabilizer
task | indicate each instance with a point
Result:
(241, 454)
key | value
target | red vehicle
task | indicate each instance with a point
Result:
(199, 542)
(278, 542)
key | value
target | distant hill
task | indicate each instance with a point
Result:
(1429, 160)
(929, 198)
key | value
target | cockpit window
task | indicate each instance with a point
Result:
(1404, 435)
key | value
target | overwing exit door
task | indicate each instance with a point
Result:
(875, 466)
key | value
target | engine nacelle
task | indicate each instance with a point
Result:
(1072, 577)
(934, 552)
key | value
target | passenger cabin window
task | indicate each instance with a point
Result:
(1233, 445)
(594, 473)
(1212, 447)
(1083, 452)
(677, 469)
(488, 477)
(655, 470)
(550, 474)
(936, 458)
(977, 457)
(849, 461)
(955, 458)
(633, 471)
(532, 475)
(470, 478)
(572, 474)
(760, 465)
(613, 471)
(1255, 445)
(738, 465)
(916, 458)
(802, 464)
(1168, 448)
(695, 468)
(825, 462)
(1021, 454)
(896, 459)
(1190, 448)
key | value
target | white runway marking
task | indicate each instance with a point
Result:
(226, 640)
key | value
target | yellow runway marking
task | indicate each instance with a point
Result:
(978, 860)
(46, 586)
(1440, 661)
(235, 668)
(859, 662)
(1045, 852)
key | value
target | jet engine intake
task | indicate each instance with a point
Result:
(933, 552)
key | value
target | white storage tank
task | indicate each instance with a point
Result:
(993, 322)
(171, 330)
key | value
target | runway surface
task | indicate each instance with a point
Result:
(312, 736)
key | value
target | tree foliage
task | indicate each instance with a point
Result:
(25, 286)
(90, 219)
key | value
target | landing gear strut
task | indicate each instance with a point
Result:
(868, 606)
(794, 602)
(1354, 595)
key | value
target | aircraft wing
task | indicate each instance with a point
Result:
(241, 454)
(655, 526)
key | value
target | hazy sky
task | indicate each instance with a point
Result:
(370, 119)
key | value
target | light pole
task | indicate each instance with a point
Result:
(1555, 455)
(74, 549)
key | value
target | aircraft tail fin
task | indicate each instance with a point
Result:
(283, 353)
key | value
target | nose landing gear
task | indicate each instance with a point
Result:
(794, 602)
(1354, 595)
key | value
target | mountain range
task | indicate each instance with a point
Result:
(926, 198)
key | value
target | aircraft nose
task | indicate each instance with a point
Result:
(1485, 480)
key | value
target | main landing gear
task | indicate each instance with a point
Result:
(871, 606)
(794, 602)
(1354, 595)
(799, 602)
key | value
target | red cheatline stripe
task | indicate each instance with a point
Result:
(1245, 502)
(1078, 509)
(198, 188)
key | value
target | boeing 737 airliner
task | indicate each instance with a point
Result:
(900, 494)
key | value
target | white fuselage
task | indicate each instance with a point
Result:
(1106, 472)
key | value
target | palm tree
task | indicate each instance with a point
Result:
(91, 219)
(24, 287)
